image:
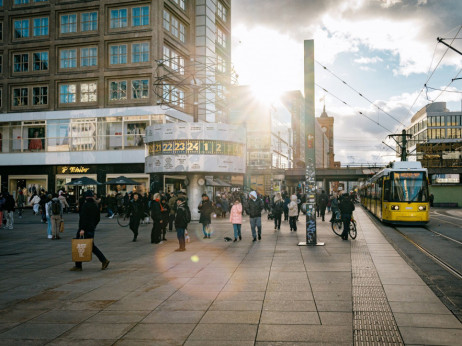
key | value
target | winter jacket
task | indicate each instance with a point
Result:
(293, 207)
(206, 209)
(172, 204)
(323, 200)
(235, 216)
(136, 209)
(89, 217)
(9, 203)
(183, 216)
(277, 207)
(254, 207)
(346, 206)
(35, 200)
(156, 213)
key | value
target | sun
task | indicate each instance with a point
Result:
(266, 94)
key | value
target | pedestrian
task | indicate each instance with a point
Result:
(34, 201)
(334, 206)
(205, 209)
(235, 217)
(156, 215)
(346, 207)
(62, 199)
(293, 213)
(224, 206)
(254, 209)
(277, 210)
(47, 208)
(44, 198)
(8, 210)
(135, 212)
(20, 201)
(55, 216)
(431, 199)
(111, 205)
(323, 200)
(2, 206)
(286, 207)
(89, 217)
(182, 218)
(172, 207)
(165, 216)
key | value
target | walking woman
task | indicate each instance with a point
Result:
(235, 217)
(136, 212)
(206, 209)
(277, 210)
(156, 215)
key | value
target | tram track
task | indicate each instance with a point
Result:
(449, 268)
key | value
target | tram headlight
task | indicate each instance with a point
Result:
(422, 207)
(395, 207)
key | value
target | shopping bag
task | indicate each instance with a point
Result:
(82, 249)
(61, 226)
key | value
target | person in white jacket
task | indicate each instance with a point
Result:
(293, 213)
(34, 201)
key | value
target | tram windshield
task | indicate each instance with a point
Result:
(409, 187)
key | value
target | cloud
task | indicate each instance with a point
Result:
(365, 60)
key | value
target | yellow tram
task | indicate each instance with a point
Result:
(398, 195)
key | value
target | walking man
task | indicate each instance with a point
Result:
(254, 209)
(89, 218)
(55, 212)
(346, 207)
(135, 211)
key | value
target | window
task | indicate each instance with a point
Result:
(118, 18)
(67, 93)
(140, 52)
(221, 64)
(89, 21)
(40, 95)
(40, 26)
(180, 3)
(40, 61)
(173, 95)
(222, 11)
(1, 31)
(174, 26)
(118, 90)
(140, 89)
(21, 2)
(68, 23)
(118, 54)
(88, 92)
(173, 60)
(68, 58)
(1, 64)
(221, 38)
(20, 97)
(88, 57)
(140, 16)
(21, 28)
(21, 62)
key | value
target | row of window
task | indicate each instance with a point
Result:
(445, 120)
(69, 58)
(454, 133)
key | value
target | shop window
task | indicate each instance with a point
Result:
(89, 21)
(35, 138)
(58, 135)
(135, 134)
(68, 23)
(83, 135)
(40, 61)
(40, 26)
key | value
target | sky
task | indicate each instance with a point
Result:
(385, 50)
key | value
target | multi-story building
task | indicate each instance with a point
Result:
(437, 143)
(81, 81)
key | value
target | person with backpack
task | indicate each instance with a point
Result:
(182, 218)
(277, 210)
(55, 217)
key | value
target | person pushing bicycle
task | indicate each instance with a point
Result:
(346, 207)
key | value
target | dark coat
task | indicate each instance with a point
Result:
(89, 218)
(165, 213)
(156, 213)
(254, 207)
(136, 209)
(206, 210)
(277, 207)
(9, 203)
(183, 216)
(323, 199)
(346, 206)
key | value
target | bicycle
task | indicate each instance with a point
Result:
(123, 219)
(337, 226)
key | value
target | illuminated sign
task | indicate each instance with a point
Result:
(199, 147)
(408, 175)
(72, 169)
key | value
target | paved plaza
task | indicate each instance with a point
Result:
(216, 293)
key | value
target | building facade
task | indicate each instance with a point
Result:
(82, 80)
(437, 143)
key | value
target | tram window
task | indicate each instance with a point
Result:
(409, 187)
(386, 190)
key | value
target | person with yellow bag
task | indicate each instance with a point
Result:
(89, 218)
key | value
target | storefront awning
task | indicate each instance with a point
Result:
(222, 183)
(212, 182)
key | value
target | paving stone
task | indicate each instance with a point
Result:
(314, 333)
(175, 317)
(159, 332)
(224, 332)
(242, 317)
(289, 317)
(46, 331)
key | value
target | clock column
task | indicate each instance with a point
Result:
(194, 192)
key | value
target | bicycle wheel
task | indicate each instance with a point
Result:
(123, 220)
(337, 227)
(353, 232)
